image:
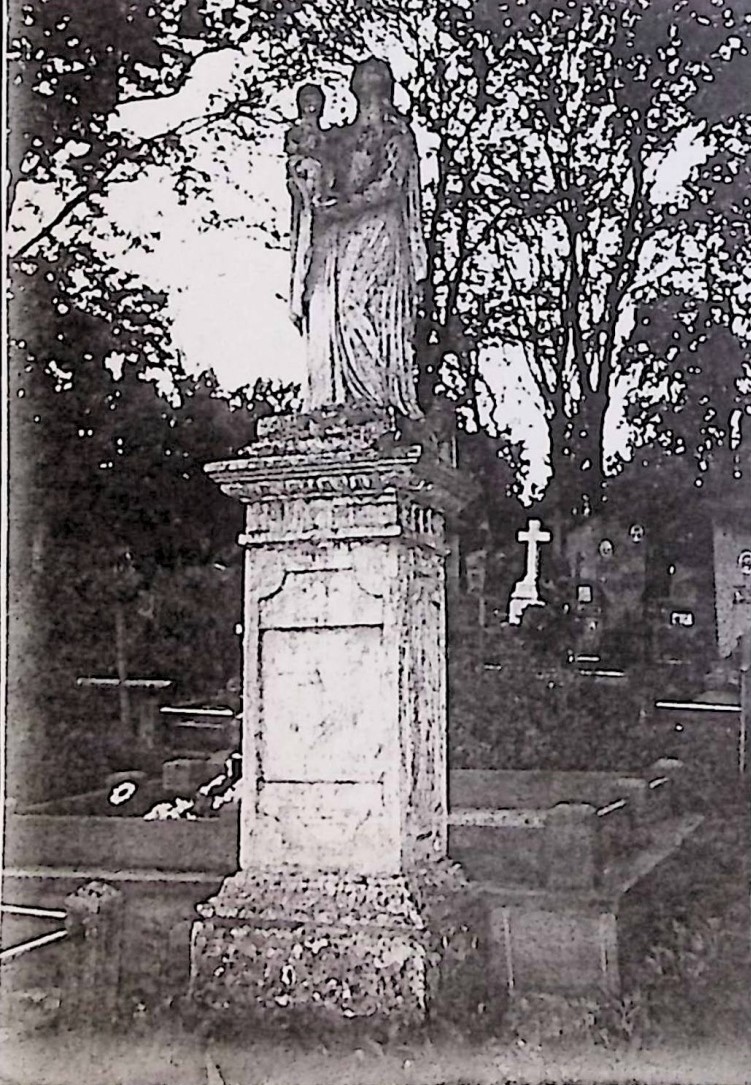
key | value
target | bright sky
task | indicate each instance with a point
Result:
(227, 288)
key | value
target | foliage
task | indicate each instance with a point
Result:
(585, 182)
(554, 234)
(101, 469)
(71, 66)
(192, 612)
(535, 711)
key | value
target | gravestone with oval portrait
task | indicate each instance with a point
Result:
(732, 557)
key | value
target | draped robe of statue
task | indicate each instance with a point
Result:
(355, 277)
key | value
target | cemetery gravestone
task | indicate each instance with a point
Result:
(95, 923)
(608, 564)
(526, 591)
(732, 561)
(345, 903)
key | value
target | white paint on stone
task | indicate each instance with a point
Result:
(526, 591)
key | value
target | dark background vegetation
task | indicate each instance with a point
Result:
(110, 506)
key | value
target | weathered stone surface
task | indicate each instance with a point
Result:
(95, 918)
(577, 939)
(342, 946)
(344, 728)
(553, 945)
(349, 454)
(344, 643)
(572, 859)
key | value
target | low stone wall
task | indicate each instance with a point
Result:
(524, 790)
(499, 835)
(112, 843)
(581, 940)
(97, 803)
(502, 828)
(556, 879)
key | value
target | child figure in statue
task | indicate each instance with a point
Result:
(309, 179)
(304, 138)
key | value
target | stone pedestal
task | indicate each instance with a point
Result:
(343, 820)
(524, 595)
(331, 946)
(95, 923)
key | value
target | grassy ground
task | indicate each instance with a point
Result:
(686, 1018)
(163, 1058)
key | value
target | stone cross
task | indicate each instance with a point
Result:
(149, 693)
(525, 593)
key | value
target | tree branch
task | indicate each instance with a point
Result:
(98, 182)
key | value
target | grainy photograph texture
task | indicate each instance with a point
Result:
(377, 616)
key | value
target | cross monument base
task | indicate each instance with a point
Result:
(524, 595)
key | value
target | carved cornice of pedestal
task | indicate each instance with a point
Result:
(316, 474)
(362, 460)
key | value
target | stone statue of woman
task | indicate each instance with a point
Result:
(358, 248)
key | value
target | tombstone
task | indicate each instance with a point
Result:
(526, 591)
(608, 560)
(732, 568)
(343, 821)
(345, 904)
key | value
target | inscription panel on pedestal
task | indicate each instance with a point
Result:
(324, 704)
(326, 721)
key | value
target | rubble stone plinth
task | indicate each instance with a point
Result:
(335, 946)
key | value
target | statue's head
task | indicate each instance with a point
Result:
(373, 79)
(310, 100)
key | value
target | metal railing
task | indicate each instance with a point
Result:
(93, 924)
(13, 952)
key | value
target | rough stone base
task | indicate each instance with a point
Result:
(342, 947)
